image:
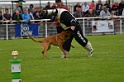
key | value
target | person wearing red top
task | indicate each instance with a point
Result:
(54, 6)
(92, 6)
(115, 8)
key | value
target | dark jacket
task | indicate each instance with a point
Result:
(99, 6)
(17, 18)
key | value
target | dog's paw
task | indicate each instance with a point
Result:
(63, 56)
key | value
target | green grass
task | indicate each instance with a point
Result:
(106, 65)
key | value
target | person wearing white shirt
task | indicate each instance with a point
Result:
(85, 8)
(104, 12)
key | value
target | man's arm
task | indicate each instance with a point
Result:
(68, 19)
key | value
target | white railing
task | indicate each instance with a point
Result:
(83, 20)
(120, 18)
(7, 24)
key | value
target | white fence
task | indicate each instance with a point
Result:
(7, 31)
(86, 23)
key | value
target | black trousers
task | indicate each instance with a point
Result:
(67, 43)
(79, 37)
(77, 34)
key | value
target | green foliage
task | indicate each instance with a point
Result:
(106, 65)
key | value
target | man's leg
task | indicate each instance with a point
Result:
(89, 48)
(83, 41)
(67, 46)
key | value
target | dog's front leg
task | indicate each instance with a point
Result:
(64, 52)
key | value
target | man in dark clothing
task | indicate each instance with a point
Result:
(7, 19)
(48, 6)
(68, 21)
(98, 7)
(17, 16)
(60, 29)
(1, 17)
(121, 7)
(77, 5)
(108, 6)
(7, 16)
(37, 17)
(58, 26)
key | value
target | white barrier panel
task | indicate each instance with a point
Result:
(103, 26)
(7, 25)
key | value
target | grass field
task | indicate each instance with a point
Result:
(106, 65)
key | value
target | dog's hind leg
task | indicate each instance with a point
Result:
(44, 54)
(45, 47)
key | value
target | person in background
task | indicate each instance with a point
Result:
(98, 7)
(93, 6)
(31, 14)
(48, 6)
(26, 17)
(34, 11)
(17, 17)
(30, 9)
(7, 16)
(78, 13)
(37, 17)
(115, 8)
(54, 6)
(7, 19)
(77, 5)
(17, 8)
(121, 7)
(112, 15)
(1, 17)
(85, 8)
(122, 15)
(108, 1)
(39, 9)
(104, 12)
(108, 6)
(90, 13)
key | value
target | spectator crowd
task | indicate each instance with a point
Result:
(86, 10)
(99, 9)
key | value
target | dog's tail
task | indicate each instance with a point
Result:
(35, 39)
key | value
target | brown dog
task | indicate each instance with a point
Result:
(56, 40)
